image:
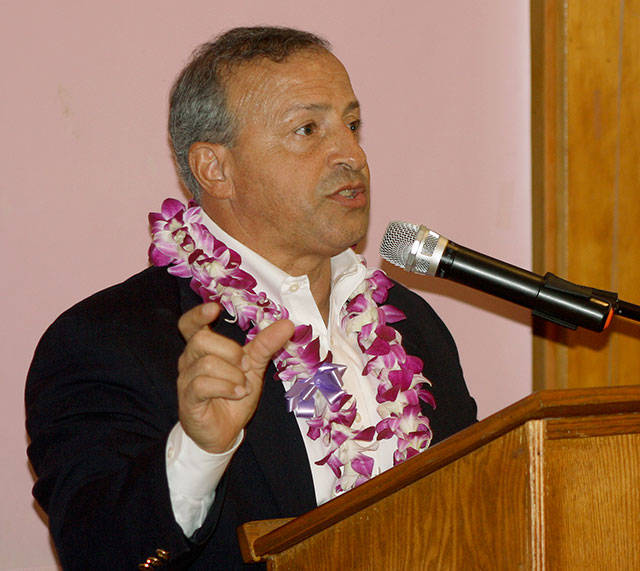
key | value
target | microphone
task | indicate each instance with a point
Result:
(423, 251)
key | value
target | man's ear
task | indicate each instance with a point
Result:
(208, 164)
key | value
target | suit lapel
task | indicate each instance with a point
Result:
(277, 444)
(273, 432)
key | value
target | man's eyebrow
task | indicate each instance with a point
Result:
(355, 104)
(352, 105)
(308, 107)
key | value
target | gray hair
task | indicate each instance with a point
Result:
(197, 104)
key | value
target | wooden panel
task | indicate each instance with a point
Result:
(593, 33)
(472, 517)
(592, 502)
(586, 156)
(626, 348)
(549, 177)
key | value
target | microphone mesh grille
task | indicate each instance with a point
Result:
(397, 241)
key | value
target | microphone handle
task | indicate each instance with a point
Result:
(628, 310)
(549, 297)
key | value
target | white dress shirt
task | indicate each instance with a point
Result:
(193, 474)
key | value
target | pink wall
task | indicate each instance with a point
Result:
(445, 90)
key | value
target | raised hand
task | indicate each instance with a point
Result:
(219, 381)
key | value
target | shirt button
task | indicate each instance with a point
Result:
(294, 287)
(358, 417)
(170, 452)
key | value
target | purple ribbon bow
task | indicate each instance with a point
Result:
(327, 379)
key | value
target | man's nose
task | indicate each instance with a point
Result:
(346, 150)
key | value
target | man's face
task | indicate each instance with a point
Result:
(300, 177)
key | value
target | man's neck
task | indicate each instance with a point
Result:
(317, 269)
(320, 286)
(319, 273)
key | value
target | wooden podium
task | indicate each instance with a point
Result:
(551, 482)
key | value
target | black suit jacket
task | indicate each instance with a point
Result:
(101, 401)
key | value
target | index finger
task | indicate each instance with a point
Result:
(195, 319)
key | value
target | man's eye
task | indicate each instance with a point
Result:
(306, 130)
(355, 126)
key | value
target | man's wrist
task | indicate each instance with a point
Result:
(192, 471)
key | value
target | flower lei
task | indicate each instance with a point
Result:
(181, 241)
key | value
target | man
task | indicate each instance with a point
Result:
(152, 442)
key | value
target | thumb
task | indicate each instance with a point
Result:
(262, 347)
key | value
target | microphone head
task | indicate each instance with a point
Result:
(397, 241)
(412, 247)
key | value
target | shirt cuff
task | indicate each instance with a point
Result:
(193, 475)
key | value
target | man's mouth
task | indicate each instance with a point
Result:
(352, 195)
(348, 192)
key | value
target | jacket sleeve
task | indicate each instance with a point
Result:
(100, 403)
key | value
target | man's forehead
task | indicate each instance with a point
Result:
(305, 80)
